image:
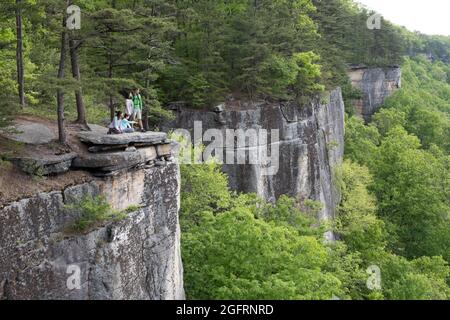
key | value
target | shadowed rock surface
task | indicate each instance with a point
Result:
(45, 164)
(111, 161)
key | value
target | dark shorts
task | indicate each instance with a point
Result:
(113, 131)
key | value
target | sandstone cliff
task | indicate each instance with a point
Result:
(137, 257)
(376, 84)
(310, 145)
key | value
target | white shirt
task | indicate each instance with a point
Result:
(129, 106)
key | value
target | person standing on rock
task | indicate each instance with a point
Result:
(129, 106)
(138, 104)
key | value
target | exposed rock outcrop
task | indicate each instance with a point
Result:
(138, 257)
(310, 146)
(98, 137)
(113, 161)
(32, 133)
(376, 84)
(45, 164)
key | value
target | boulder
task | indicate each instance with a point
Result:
(31, 133)
(101, 138)
(45, 164)
(112, 161)
(164, 150)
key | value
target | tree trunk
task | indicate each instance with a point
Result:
(110, 72)
(145, 115)
(111, 99)
(19, 54)
(145, 108)
(81, 109)
(60, 92)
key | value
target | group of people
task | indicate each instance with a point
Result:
(124, 122)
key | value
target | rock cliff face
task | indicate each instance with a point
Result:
(309, 147)
(137, 257)
(376, 84)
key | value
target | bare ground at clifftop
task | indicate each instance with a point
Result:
(15, 184)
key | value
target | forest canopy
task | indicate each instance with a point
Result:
(395, 181)
(197, 52)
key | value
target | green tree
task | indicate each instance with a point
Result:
(235, 256)
(277, 75)
(424, 100)
(361, 141)
(357, 224)
(387, 119)
(421, 279)
(239, 47)
(307, 82)
(205, 188)
(411, 196)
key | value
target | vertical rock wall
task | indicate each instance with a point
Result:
(376, 84)
(135, 258)
(311, 145)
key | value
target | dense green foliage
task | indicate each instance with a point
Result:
(198, 52)
(394, 211)
(423, 104)
(236, 246)
(243, 47)
(120, 47)
(395, 182)
(343, 25)
(406, 150)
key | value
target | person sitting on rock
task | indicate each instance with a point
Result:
(125, 125)
(114, 127)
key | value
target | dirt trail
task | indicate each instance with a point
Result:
(15, 184)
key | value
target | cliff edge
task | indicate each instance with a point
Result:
(308, 146)
(137, 257)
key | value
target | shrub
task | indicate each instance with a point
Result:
(93, 210)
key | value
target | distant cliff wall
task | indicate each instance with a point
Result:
(310, 144)
(376, 84)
